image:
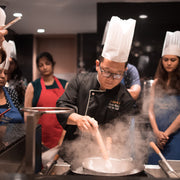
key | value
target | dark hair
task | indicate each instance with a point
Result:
(17, 73)
(3, 54)
(162, 76)
(47, 55)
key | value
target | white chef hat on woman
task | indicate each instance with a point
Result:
(171, 44)
(118, 40)
(2, 17)
(7, 47)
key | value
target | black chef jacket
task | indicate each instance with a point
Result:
(84, 96)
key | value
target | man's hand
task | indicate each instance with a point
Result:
(84, 123)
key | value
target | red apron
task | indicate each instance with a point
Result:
(51, 129)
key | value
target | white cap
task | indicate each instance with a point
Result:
(7, 47)
(12, 47)
(2, 17)
(119, 39)
(171, 44)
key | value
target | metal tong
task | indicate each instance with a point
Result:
(171, 172)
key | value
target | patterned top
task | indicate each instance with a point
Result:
(14, 97)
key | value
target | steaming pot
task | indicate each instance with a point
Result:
(118, 167)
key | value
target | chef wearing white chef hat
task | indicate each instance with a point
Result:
(164, 111)
(99, 97)
(2, 23)
(171, 44)
(115, 52)
(131, 76)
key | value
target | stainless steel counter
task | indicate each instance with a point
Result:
(12, 149)
(10, 133)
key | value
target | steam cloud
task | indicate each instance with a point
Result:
(130, 139)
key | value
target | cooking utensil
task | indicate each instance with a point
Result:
(103, 149)
(101, 144)
(171, 171)
(49, 155)
(5, 112)
(52, 164)
(120, 167)
(12, 22)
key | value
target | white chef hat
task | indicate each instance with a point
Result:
(171, 44)
(7, 47)
(12, 48)
(2, 17)
(118, 39)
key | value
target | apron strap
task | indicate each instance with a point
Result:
(57, 82)
(8, 97)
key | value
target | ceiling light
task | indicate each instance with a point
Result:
(41, 30)
(17, 15)
(143, 16)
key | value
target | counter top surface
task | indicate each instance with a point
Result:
(70, 177)
(10, 133)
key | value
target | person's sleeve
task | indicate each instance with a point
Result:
(134, 76)
(127, 103)
(68, 99)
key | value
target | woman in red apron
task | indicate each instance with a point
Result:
(44, 92)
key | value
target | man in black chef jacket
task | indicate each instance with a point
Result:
(99, 98)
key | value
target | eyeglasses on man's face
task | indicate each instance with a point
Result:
(108, 74)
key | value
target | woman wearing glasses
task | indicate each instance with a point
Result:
(164, 110)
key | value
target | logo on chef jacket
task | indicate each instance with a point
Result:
(114, 105)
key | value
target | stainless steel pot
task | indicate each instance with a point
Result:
(112, 167)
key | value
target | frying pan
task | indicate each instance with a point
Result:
(119, 167)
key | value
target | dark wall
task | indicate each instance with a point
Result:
(87, 50)
(24, 48)
(149, 33)
(148, 37)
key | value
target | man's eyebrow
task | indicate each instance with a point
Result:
(106, 68)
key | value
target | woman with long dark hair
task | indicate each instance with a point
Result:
(164, 109)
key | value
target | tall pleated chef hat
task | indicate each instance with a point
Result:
(118, 40)
(171, 44)
(2, 17)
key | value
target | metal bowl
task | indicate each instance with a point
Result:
(117, 167)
